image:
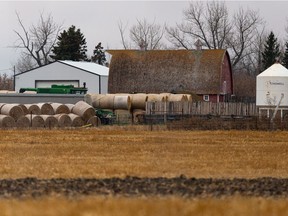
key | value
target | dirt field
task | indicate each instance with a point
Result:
(134, 171)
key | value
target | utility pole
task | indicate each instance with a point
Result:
(14, 71)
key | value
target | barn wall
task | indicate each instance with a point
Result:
(58, 71)
(226, 77)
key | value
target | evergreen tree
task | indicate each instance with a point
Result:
(71, 45)
(98, 55)
(285, 58)
(271, 51)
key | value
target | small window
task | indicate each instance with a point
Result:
(206, 97)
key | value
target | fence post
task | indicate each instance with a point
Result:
(151, 123)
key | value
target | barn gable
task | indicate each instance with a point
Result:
(155, 71)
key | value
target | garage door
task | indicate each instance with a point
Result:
(48, 83)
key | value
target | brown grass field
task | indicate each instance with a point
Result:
(120, 151)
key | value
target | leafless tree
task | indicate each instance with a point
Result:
(38, 40)
(24, 62)
(122, 30)
(251, 62)
(143, 35)
(245, 34)
(6, 82)
(212, 24)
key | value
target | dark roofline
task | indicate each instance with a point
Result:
(230, 67)
(61, 63)
(33, 69)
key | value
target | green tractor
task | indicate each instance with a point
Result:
(57, 89)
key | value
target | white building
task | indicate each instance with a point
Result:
(272, 89)
(95, 76)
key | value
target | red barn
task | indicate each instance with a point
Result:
(206, 73)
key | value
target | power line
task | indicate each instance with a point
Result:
(6, 69)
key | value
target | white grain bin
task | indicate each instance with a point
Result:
(272, 88)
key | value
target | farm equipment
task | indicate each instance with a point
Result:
(57, 89)
(106, 117)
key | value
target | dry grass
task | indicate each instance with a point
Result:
(110, 153)
(138, 152)
(167, 206)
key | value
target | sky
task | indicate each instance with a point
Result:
(98, 20)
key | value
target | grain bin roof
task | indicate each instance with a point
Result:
(197, 71)
(275, 70)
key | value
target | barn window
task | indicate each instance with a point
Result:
(206, 97)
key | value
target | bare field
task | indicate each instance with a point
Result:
(119, 152)
(152, 206)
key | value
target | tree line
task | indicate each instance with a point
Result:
(242, 33)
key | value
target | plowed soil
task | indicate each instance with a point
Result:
(134, 186)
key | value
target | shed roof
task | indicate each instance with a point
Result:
(275, 70)
(89, 67)
(198, 71)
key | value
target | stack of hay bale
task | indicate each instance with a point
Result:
(130, 106)
(49, 115)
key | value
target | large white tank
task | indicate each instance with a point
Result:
(272, 86)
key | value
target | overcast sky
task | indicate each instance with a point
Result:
(98, 20)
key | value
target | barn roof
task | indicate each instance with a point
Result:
(275, 70)
(197, 71)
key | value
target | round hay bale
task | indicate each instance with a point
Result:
(138, 115)
(7, 121)
(189, 97)
(45, 109)
(156, 97)
(94, 121)
(70, 106)
(50, 121)
(33, 109)
(177, 97)
(24, 108)
(23, 122)
(138, 101)
(123, 116)
(1, 105)
(88, 99)
(77, 121)
(167, 94)
(122, 102)
(36, 121)
(103, 101)
(84, 110)
(63, 120)
(60, 108)
(91, 98)
(13, 110)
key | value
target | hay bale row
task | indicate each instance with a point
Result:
(7, 121)
(48, 115)
(47, 121)
(130, 101)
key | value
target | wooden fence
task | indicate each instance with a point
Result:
(201, 108)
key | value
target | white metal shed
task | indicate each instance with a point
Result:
(66, 72)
